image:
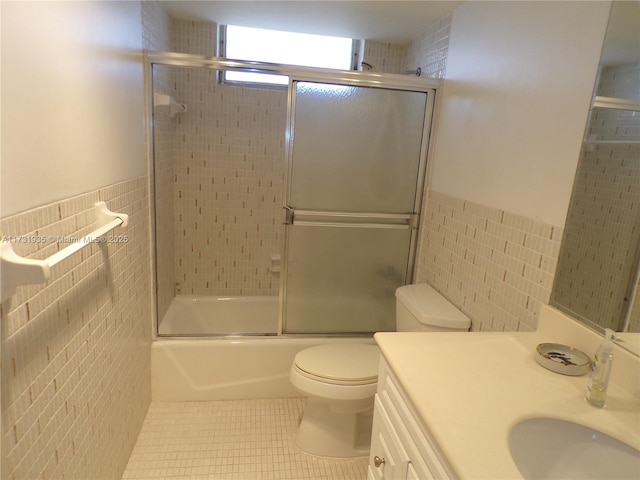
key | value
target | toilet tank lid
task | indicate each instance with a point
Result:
(431, 308)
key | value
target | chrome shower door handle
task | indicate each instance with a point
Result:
(288, 214)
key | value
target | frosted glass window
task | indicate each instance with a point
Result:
(287, 48)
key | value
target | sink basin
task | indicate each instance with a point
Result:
(546, 448)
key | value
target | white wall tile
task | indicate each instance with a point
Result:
(77, 347)
(492, 264)
(227, 159)
(428, 51)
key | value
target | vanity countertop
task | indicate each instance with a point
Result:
(470, 389)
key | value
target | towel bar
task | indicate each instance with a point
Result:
(16, 270)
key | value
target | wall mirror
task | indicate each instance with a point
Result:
(598, 275)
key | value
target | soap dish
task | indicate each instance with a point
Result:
(563, 359)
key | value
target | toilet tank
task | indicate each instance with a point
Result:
(420, 308)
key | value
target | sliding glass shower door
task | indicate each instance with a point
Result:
(355, 168)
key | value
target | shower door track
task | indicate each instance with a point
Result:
(349, 77)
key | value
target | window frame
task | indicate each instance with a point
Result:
(222, 53)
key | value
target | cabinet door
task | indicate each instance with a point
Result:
(425, 461)
(388, 459)
(418, 470)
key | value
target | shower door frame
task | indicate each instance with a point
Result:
(410, 221)
(294, 73)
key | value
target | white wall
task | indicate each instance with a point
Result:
(514, 103)
(72, 99)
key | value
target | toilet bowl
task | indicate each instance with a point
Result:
(340, 380)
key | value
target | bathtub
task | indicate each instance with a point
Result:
(197, 369)
(211, 315)
(219, 368)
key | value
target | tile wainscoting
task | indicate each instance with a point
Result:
(495, 266)
(76, 349)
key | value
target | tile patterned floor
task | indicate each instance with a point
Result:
(230, 439)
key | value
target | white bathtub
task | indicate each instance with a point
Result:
(210, 315)
(198, 369)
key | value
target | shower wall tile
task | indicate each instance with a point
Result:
(75, 350)
(229, 171)
(497, 267)
(198, 38)
(156, 27)
(228, 179)
(428, 51)
(385, 57)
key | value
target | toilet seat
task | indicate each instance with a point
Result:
(339, 364)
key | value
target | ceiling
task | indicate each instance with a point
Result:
(395, 22)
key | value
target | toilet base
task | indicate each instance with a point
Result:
(327, 433)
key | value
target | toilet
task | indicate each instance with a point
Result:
(341, 379)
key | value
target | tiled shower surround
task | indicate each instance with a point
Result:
(428, 51)
(384, 57)
(75, 350)
(227, 152)
(222, 204)
(229, 180)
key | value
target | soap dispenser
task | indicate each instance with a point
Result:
(600, 371)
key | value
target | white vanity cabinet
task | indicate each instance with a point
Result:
(400, 448)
